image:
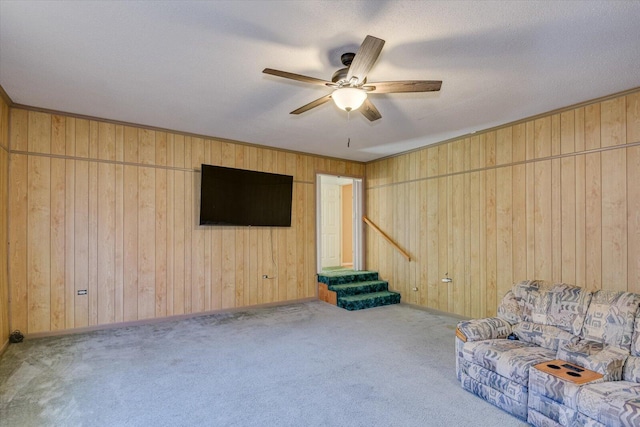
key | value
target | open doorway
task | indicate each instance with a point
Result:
(339, 228)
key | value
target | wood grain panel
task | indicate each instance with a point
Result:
(490, 227)
(568, 220)
(39, 135)
(39, 244)
(519, 223)
(58, 134)
(633, 218)
(476, 306)
(542, 137)
(4, 222)
(580, 222)
(458, 266)
(432, 242)
(556, 220)
(70, 238)
(92, 285)
(146, 241)
(614, 219)
(106, 235)
(613, 127)
(542, 220)
(567, 132)
(633, 118)
(553, 212)
(593, 221)
(504, 230)
(19, 130)
(130, 242)
(592, 126)
(19, 192)
(4, 215)
(161, 241)
(81, 255)
(57, 251)
(119, 240)
(179, 242)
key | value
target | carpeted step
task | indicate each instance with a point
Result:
(362, 301)
(357, 288)
(340, 277)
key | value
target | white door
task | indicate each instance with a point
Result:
(328, 213)
(330, 217)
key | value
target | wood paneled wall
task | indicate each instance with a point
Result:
(4, 192)
(555, 198)
(113, 210)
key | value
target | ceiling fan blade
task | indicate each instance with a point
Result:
(298, 77)
(370, 111)
(404, 86)
(312, 104)
(365, 58)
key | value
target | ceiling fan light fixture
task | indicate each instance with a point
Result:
(349, 98)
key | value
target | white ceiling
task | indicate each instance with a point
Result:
(197, 66)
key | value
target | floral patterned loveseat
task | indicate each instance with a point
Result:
(540, 322)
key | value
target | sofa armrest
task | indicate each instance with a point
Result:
(483, 329)
(604, 359)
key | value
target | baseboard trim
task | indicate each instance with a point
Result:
(435, 311)
(142, 322)
(4, 347)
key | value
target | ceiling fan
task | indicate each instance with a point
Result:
(350, 83)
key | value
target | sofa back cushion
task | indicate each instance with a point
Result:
(510, 309)
(632, 365)
(631, 370)
(560, 305)
(549, 337)
(611, 317)
(635, 338)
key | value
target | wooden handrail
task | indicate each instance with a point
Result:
(387, 238)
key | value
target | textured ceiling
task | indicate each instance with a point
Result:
(196, 66)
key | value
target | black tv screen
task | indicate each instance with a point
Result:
(230, 196)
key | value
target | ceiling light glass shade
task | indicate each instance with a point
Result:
(349, 98)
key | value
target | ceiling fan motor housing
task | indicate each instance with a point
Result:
(347, 58)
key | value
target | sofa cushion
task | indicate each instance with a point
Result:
(526, 293)
(631, 371)
(635, 338)
(491, 395)
(596, 356)
(560, 305)
(484, 329)
(510, 309)
(510, 359)
(611, 403)
(545, 336)
(610, 318)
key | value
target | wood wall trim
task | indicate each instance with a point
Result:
(159, 129)
(5, 97)
(5, 317)
(524, 162)
(520, 121)
(122, 163)
(175, 318)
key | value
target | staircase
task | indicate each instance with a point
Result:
(354, 290)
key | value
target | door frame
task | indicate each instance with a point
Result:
(358, 225)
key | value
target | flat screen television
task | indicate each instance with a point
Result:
(239, 197)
